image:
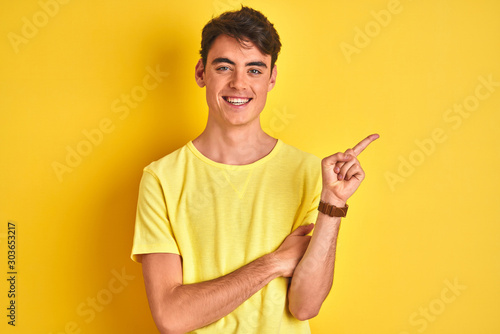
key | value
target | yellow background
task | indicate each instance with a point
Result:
(403, 239)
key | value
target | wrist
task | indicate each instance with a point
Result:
(330, 198)
(274, 264)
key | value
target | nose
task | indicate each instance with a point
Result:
(238, 80)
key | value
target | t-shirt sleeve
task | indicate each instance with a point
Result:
(153, 231)
(312, 212)
(314, 186)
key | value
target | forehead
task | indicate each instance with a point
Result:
(228, 47)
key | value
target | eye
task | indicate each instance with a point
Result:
(222, 68)
(255, 71)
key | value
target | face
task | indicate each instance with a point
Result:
(237, 78)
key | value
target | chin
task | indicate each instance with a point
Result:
(239, 120)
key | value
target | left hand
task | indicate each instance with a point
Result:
(342, 173)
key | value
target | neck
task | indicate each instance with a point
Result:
(236, 145)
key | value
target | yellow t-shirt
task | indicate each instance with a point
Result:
(221, 217)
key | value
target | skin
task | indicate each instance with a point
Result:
(233, 135)
(341, 174)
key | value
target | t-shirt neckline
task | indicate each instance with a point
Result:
(261, 161)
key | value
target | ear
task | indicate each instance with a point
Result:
(199, 73)
(272, 79)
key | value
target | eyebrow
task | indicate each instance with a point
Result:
(226, 60)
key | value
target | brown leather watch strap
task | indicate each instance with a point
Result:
(332, 210)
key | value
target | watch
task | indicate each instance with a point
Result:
(332, 210)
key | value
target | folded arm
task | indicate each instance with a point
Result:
(179, 308)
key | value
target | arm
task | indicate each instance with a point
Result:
(178, 308)
(313, 276)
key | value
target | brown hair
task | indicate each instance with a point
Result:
(244, 25)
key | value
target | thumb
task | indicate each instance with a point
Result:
(303, 230)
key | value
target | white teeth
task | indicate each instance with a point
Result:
(237, 101)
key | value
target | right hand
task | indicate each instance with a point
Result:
(342, 173)
(292, 249)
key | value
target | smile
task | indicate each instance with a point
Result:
(237, 101)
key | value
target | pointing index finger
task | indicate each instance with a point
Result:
(364, 143)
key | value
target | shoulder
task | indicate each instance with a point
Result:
(302, 165)
(300, 157)
(169, 164)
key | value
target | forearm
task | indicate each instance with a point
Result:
(313, 276)
(341, 176)
(191, 306)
